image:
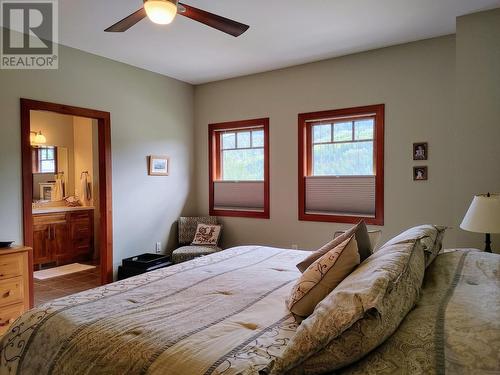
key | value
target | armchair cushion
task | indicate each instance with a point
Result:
(185, 253)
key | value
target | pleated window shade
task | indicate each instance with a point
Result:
(234, 195)
(341, 195)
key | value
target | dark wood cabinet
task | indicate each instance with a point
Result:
(81, 230)
(63, 238)
(60, 243)
(41, 239)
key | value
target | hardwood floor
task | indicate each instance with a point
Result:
(57, 287)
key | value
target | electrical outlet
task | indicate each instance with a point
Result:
(295, 247)
(158, 247)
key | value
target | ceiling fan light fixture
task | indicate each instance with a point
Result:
(161, 11)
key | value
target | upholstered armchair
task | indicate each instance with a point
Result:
(187, 230)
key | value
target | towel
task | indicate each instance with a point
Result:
(58, 191)
(85, 189)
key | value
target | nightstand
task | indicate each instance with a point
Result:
(143, 263)
(14, 285)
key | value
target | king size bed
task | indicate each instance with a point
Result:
(226, 314)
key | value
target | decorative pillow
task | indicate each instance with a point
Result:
(374, 236)
(362, 239)
(207, 235)
(430, 236)
(321, 277)
(188, 225)
(358, 315)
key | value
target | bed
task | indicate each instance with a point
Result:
(225, 314)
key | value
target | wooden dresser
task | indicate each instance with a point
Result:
(14, 285)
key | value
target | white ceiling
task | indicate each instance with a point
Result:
(282, 32)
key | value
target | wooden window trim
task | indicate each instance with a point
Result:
(34, 158)
(305, 122)
(214, 170)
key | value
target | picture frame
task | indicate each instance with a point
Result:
(158, 165)
(420, 173)
(420, 151)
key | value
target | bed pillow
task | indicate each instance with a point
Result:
(363, 241)
(374, 236)
(321, 277)
(358, 315)
(207, 235)
(430, 236)
(438, 245)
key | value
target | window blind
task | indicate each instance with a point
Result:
(341, 195)
(244, 195)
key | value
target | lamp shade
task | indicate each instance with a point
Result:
(40, 139)
(37, 138)
(483, 215)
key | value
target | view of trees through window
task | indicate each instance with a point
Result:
(47, 160)
(242, 155)
(343, 148)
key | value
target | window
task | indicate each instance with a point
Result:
(341, 165)
(239, 168)
(242, 155)
(45, 160)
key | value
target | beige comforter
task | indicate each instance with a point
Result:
(225, 314)
(192, 318)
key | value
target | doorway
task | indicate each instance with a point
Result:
(66, 196)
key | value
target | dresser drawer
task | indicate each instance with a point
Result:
(8, 315)
(11, 291)
(81, 231)
(84, 215)
(11, 265)
(49, 219)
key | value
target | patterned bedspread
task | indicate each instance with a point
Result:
(220, 314)
(455, 327)
(225, 314)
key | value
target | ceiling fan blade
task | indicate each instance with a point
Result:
(127, 22)
(213, 20)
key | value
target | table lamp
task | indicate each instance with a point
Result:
(483, 216)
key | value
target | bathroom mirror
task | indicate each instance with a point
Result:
(64, 148)
(50, 162)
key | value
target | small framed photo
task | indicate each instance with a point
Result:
(158, 165)
(420, 174)
(420, 151)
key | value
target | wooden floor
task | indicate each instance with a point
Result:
(57, 287)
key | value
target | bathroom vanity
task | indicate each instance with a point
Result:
(62, 235)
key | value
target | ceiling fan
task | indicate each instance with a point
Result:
(163, 12)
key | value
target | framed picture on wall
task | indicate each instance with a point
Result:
(420, 151)
(420, 173)
(158, 165)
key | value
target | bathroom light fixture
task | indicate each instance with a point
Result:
(161, 11)
(37, 138)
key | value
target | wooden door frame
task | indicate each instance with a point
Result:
(105, 198)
